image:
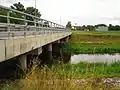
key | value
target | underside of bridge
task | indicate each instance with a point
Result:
(42, 55)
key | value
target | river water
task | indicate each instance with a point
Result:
(109, 58)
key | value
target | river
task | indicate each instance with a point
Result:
(109, 58)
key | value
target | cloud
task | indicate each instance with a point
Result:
(77, 11)
(111, 18)
(10, 2)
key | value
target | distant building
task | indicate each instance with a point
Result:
(102, 28)
(76, 27)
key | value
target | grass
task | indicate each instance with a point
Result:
(113, 33)
(82, 76)
(94, 42)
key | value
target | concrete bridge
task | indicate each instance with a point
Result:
(22, 39)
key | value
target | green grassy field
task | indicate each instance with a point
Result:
(114, 33)
(94, 42)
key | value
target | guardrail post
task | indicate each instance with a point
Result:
(35, 26)
(13, 34)
(51, 27)
(39, 28)
(8, 23)
(54, 28)
(25, 27)
(41, 25)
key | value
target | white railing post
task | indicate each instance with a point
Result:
(51, 28)
(8, 23)
(35, 26)
(25, 27)
(39, 26)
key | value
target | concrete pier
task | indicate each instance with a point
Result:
(67, 39)
(23, 61)
(46, 55)
(49, 54)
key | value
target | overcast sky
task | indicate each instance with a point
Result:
(79, 12)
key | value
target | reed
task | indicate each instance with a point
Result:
(81, 76)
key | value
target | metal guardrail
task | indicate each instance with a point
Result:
(9, 29)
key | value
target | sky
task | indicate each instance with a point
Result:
(79, 12)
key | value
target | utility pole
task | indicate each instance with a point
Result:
(3, 2)
(35, 9)
(60, 20)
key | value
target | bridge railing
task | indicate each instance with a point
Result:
(25, 26)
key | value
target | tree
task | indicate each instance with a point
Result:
(20, 7)
(3, 12)
(90, 27)
(32, 11)
(114, 28)
(100, 25)
(69, 25)
(84, 27)
(110, 26)
(77, 27)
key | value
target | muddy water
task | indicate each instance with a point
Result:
(95, 58)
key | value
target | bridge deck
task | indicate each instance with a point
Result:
(15, 46)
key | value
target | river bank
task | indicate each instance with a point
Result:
(94, 42)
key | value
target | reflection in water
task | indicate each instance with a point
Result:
(95, 58)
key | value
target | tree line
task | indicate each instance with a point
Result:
(114, 27)
(93, 27)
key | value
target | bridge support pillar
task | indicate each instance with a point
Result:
(67, 39)
(46, 55)
(49, 52)
(23, 61)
